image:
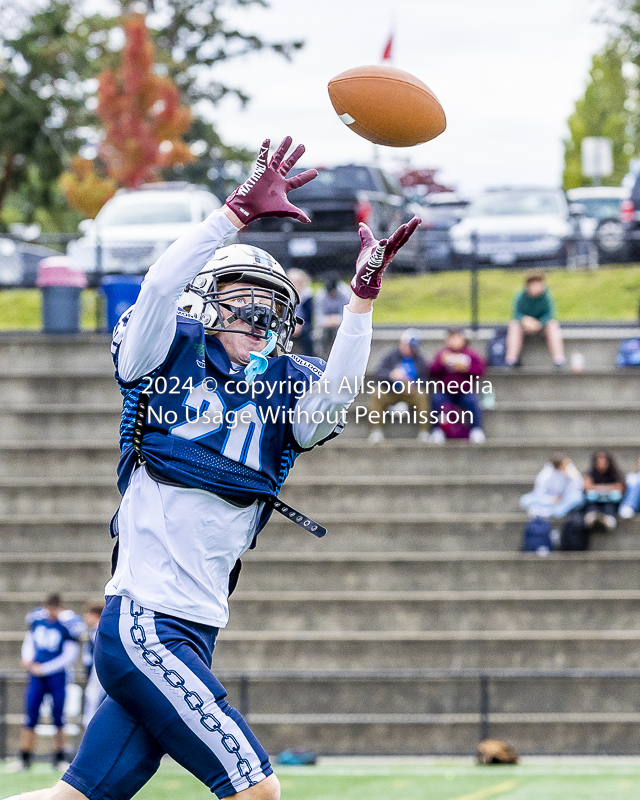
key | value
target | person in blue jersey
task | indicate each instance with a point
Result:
(215, 412)
(49, 649)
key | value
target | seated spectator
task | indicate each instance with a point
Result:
(557, 489)
(398, 368)
(455, 365)
(631, 502)
(329, 304)
(603, 487)
(302, 338)
(533, 311)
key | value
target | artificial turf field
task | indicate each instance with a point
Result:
(583, 779)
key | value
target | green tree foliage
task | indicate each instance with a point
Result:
(602, 111)
(51, 52)
(191, 38)
(44, 85)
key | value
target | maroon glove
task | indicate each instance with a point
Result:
(264, 193)
(376, 256)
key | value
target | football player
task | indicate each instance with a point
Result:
(215, 412)
(49, 649)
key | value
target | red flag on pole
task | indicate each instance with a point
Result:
(387, 52)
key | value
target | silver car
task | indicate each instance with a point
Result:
(135, 227)
(505, 227)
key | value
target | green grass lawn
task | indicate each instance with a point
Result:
(20, 310)
(454, 780)
(606, 294)
(609, 293)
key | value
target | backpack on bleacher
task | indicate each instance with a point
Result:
(628, 353)
(575, 535)
(497, 348)
(536, 537)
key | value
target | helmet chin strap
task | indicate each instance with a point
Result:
(258, 361)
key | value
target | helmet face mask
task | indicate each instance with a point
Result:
(265, 300)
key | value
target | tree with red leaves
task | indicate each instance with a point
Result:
(143, 124)
(143, 120)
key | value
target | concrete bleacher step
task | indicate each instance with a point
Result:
(99, 387)
(40, 353)
(90, 351)
(88, 387)
(497, 456)
(598, 345)
(348, 571)
(383, 610)
(434, 649)
(340, 457)
(415, 493)
(419, 493)
(514, 420)
(435, 610)
(386, 494)
(346, 650)
(362, 532)
(61, 421)
(525, 384)
(530, 420)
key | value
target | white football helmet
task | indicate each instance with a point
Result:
(271, 306)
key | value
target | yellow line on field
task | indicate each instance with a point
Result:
(490, 792)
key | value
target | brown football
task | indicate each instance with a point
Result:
(387, 106)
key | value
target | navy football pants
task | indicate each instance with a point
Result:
(163, 698)
(37, 687)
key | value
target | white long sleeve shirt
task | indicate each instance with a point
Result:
(178, 545)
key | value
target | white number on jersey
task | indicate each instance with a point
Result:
(206, 414)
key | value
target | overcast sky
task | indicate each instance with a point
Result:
(507, 73)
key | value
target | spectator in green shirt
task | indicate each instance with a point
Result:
(533, 311)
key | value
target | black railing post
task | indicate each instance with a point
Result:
(3, 718)
(475, 312)
(244, 696)
(484, 707)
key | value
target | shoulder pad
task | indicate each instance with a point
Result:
(36, 615)
(308, 365)
(184, 315)
(72, 622)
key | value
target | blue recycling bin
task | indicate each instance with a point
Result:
(120, 292)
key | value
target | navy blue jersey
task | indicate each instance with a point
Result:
(49, 635)
(204, 428)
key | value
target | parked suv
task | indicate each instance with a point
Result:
(336, 201)
(513, 226)
(601, 222)
(439, 213)
(630, 216)
(135, 227)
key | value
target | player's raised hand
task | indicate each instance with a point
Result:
(375, 256)
(264, 193)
